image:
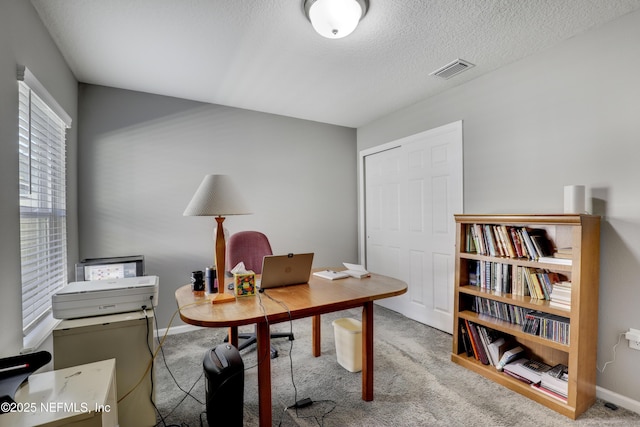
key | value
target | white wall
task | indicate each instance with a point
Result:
(569, 115)
(25, 41)
(141, 158)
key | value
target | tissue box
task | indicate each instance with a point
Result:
(245, 283)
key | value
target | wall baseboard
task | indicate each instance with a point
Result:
(618, 399)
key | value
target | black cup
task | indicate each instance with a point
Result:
(197, 281)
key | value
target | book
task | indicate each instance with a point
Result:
(478, 345)
(509, 356)
(556, 379)
(563, 253)
(497, 349)
(539, 387)
(471, 340)
(541, 242)
(523, 368)
(331, 274)
(554, 260)
(466, 340)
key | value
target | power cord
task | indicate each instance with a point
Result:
(614, 354)
(161, 343)
(186, 392)
(302, 403)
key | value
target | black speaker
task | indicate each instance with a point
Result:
(224, 385)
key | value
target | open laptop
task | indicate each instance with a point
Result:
(285, 270)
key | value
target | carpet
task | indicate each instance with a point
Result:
(415, 383)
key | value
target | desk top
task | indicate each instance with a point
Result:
(318, 296)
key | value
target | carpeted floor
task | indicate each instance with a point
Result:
(415, 383)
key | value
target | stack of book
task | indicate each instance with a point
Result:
(561, 295)
(528, 371)
(554, 383)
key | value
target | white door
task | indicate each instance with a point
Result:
(412, 189)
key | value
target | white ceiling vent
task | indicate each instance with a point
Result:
(452, 69)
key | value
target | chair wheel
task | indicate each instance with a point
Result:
(274, 354)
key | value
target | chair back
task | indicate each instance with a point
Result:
(249, 247)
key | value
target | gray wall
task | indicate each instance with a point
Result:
(567, 116)
(25, 41)
(142, 157)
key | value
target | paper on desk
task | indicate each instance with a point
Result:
(356, 270)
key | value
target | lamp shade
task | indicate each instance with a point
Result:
(335, 19)
(217, 195)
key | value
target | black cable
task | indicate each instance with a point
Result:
(304, 402)
(164, 359)
(295, 389)
(186, 393)
(259, 361)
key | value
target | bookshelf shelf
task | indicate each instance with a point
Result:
(522, 301)
(513, 384)
(510, 329)
(520, 262)
(581, 233)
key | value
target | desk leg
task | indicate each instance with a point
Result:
(315, 333)
(233, 336)
(264, 373)
(367, 351)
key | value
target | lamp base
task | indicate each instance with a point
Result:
(221, 297)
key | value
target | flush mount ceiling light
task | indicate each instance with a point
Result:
(335, 19)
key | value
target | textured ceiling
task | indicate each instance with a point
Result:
(264, 55)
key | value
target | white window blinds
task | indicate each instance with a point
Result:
(42, 172)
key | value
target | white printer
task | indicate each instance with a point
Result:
(100, 297)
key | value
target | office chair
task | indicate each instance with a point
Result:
(251, 247)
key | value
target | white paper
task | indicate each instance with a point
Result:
(354, 267)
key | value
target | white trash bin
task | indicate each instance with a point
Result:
(348, 335)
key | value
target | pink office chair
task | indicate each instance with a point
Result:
(251, 247)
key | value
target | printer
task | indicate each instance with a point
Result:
(101, 297)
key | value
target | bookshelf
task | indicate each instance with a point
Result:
(581, 233)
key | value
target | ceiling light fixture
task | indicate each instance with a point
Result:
(335, 19)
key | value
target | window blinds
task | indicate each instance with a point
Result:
(43, 234)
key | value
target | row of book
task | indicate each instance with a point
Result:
(484, 344)
(511, 279)
(548, 326)
(508, 241)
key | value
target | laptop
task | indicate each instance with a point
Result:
(285, 270)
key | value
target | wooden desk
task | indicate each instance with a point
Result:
(312, 299)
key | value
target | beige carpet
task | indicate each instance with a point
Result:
(415, 383)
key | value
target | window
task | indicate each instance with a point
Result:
(42, 181)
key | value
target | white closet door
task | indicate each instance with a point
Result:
(412, 189)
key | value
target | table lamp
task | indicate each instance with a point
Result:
(218, 196)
